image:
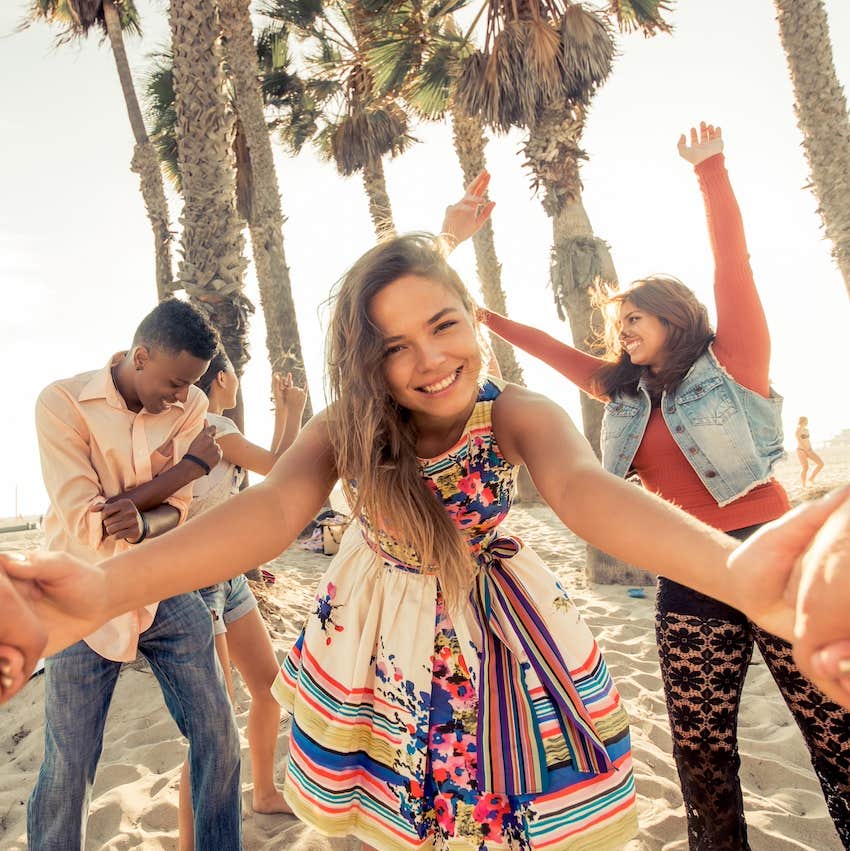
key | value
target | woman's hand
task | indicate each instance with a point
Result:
(709, 143)
(764, 572)
(822, 630)
(63, 598)
(465, 218)
(286, 395)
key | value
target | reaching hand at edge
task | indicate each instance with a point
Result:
(708, 143)
(465, 218)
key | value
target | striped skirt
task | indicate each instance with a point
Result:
(402, 737)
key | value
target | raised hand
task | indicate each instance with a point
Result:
(465, 218)
(708, 143)
(204, 446)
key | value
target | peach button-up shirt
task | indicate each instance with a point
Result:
(93, 447)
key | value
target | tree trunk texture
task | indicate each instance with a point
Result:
(469, 142)
(145, 162)
(213, 262)
(578, 259)
(380, 209)
(266, 217)
(821, 108)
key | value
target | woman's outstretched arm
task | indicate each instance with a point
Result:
(634, 525)
(742, 344)
(574, 365)
(71, 598)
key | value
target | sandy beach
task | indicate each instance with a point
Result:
(134, 803)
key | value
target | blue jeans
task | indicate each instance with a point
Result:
(78, 690)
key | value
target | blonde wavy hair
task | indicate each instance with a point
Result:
(374, 438)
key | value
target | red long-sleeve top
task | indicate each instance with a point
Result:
(741, 345)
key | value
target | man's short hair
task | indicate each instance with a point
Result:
(175, 326)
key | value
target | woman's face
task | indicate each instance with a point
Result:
(229, 387)
(643, 336)
(432, 359)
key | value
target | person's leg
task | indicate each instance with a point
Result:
(825, 727)
(214, 599)
(252, 653)
(78, 689)
(818, 462)
(804, 466)
(179, 647)
(703, 665)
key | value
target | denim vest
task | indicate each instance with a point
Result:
(730, 435)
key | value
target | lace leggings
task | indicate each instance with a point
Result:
(705, 649)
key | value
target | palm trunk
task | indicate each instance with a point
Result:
(380, 210)
(469, 144)
(822, 117)
(579, 258)
(266, 217)
(145, 161)
(213, 262)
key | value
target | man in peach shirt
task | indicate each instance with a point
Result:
(120, 448)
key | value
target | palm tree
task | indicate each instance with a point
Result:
(539, 67)
(78, 18)
(258, 196)
(356, 125)
(213, 261)
(420, 70)
(822, 117)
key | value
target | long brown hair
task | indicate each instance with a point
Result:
(689, 333)
(373, 437)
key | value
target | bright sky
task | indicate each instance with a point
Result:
(76, 254)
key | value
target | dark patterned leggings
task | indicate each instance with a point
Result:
(705, 649)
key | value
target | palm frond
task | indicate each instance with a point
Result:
(364, 136)
(158, 97)
(588, 52)
(299, 13)
(643, 15)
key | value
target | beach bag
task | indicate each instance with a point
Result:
(333, 529)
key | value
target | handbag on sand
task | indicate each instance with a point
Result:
(333, 529)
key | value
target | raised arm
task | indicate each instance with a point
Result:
(576, 366)
(289, 404)
(742, 344)
(462, 220)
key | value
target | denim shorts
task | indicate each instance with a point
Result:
(228, 601)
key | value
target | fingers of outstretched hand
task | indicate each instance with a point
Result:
(13, 671)
(478, 184)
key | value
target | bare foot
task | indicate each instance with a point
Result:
(271, 804)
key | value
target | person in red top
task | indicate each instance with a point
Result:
(655, 334)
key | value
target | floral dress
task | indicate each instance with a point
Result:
(492, 727)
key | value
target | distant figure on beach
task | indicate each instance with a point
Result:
(240, 634)
(120, 448)
(691, 411)
(805, 453)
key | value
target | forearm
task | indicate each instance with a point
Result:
(248, 530)
(287, 438)
(281, 418)
(577, 366)
(647, 532)
(154, 493)
(743, 340)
